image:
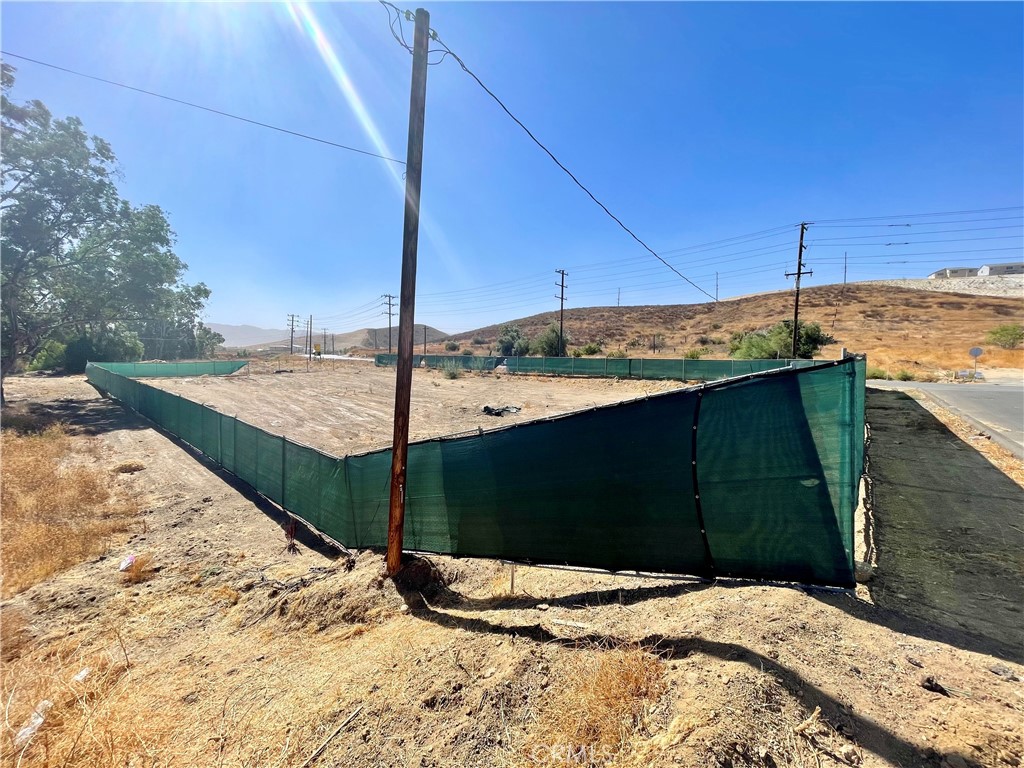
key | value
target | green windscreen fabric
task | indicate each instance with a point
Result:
(631, 368)
(753, 477)
(169, 370)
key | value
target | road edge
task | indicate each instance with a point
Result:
(1000, 440)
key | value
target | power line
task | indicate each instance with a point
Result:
(922, 215)
(918, 224)
(468, 71)
(205, 109)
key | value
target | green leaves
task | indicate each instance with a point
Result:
(80, 264)
(777, 342)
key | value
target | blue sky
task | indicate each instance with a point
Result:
(694, 123)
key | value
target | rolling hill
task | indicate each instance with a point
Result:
(897, 327)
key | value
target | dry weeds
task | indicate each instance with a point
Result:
(601, 701)
(56, 512)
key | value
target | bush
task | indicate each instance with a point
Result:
(451, 369)
(467, 352)
(1006, 336)
(616, 353)
(577, 352)
(547, 343)
(479, 340)
(777, 342)
(904, 375)
(696, 354)
(451, 346)
(591, 349)
(50, 357)
(512, 341)
(702, 339)
(877, 373)
(110, 348)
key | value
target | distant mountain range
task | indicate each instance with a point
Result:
(241, 336)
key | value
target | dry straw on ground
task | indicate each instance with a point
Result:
(600, 701)
(56, 512)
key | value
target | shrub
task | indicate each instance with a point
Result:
(512, 341)
(716, 326)
(702, 339)
(592, 348)
(124, 347)
(1006, 336)
(616, 353)
(777, 342)
(451, 346)
(50, 357)
(479, 340)
(877, 373)
(696, 353)
(904, 375)
(577, 352)
(547, 343)
(451, 369)
(467, 352)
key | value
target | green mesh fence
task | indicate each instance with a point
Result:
(152, 370)
(754, 477)
(624, 368)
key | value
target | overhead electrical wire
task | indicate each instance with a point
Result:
(820, 222)
(220, 112)
(448, 51)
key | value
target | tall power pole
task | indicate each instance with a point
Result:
(799, 271)
(389, 300)
(561, 313)
(407, 305)
(292, 320)
(309, 340)
(323, 346)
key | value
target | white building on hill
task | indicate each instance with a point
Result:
(1009, 268)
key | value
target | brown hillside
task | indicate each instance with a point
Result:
(896, 327)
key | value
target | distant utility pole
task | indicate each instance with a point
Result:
(309, 339)
(424, 338)
(618, 298)
(389, 300)
(799, 272)
(561, 313)
(716, 287)
(323, 346)
(292, 320)
(407, 305)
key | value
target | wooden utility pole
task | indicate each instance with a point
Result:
(390, 301)
(799, 271)
(561, 313)
(424, 338)
(716, 287)
(407, 304)
(292, 320)
(309, 340)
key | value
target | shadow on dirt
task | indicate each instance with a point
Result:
(867, 732)
(83, 416)
(946, 527)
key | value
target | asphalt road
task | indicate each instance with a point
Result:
(998, 407)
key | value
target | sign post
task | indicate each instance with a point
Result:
(975, 352)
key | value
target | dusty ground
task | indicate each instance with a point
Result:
(236, 652)
(346, 407)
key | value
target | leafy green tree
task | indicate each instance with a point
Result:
(512, 341)
(548, 343)
(78, 261)
(1006, 336)
(777, 342)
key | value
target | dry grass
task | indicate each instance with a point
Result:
(56, 512)
(129, 467)
(601, 701)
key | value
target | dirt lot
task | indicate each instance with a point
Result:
(346, 407)
(235, 652)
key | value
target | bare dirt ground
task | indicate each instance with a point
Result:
(346, 407)
(235, 652)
